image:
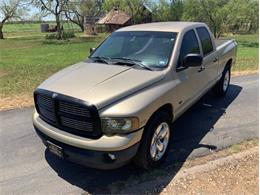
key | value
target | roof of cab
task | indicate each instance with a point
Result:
(162, 26)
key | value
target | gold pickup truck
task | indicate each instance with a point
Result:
(119, 104)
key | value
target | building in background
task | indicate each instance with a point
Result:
(115, 19)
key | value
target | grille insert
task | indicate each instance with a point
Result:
(70, 108)
(68, 114)
(45, 101)
(79, 125)
(47, 114)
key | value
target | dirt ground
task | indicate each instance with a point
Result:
(236, 175)
(231, 171)
(14, 102)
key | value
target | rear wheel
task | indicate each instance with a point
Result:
(222, 85)
(155, 142)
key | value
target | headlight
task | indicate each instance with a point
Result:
(119, 125)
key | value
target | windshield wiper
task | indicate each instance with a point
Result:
(129, 61)
(101, 59)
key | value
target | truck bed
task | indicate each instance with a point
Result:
(219, 42)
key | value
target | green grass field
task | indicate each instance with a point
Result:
(32, 29)
(25, 62)
(26, 58)
(247, 53)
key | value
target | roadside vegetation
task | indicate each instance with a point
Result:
(247, 53)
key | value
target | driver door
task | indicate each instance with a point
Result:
(190, 78)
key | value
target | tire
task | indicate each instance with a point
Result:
(221, 88)
(145, 157)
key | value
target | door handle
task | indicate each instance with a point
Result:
(201, 68)
(215, 60)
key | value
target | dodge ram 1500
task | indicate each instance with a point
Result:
(119, 104)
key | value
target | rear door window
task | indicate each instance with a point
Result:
(205, 40)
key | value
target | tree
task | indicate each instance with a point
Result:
(55, 7)
(242, 13)
(10, 10)
(76, 11)
(212, 12)
(168, 10)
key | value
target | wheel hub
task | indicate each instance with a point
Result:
(226, 81)
(160, 141)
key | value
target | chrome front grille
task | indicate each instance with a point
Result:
(68, 114)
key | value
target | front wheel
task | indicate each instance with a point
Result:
(222, 85)
(155, 142)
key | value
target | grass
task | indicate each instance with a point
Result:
(247, 53)
(32, 29)
(26, 58)
(25, 62)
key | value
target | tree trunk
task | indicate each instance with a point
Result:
(82, 27)
(1, 31)
(250, 27)
(215, 30)
(59, 28)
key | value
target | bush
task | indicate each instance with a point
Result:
(51, 36)
(66, 35)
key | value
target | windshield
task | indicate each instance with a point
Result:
(152, 49)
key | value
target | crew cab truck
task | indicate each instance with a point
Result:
(119, 104)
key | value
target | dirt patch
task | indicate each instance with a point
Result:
(230, 171)
(3, 73)
(17, 101)
(235, 174)
(244, 72)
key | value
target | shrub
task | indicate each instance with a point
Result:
(69, 34)
(66, 35)
(51, 36)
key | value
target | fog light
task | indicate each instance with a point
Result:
(112, 156)
(109, 158)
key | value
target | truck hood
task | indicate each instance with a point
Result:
(100, 84)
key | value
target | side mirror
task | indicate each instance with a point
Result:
(192, 60)
(91, 50)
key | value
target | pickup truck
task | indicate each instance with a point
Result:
(119, 105)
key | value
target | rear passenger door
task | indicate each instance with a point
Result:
(210, 60)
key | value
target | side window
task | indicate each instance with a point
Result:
(205, 39)
(189, 45)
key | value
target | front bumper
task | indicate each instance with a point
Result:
(90, 152)
(90, 158)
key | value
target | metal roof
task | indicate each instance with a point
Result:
(115, 16)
